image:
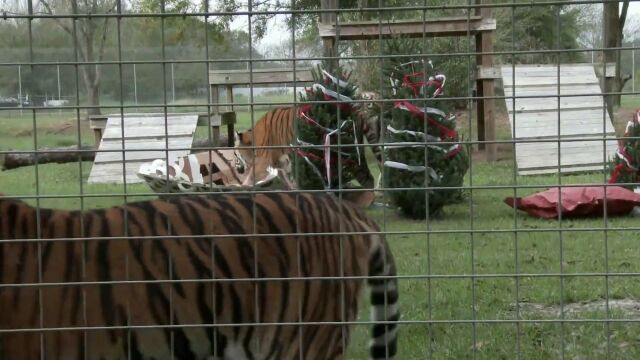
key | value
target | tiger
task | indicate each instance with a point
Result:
(275, 131)
(153, 279)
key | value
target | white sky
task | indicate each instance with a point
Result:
(278, 32)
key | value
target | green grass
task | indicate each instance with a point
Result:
(441, 288)
(631, 101)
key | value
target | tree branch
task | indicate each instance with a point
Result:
(103, 38)
(623, 17)
(49, 11)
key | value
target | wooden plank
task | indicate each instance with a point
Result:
(112, 173)
(142, 147)
(549, 71)
(553, 67)
(138, 144)
(552, 90)
(145, 133)
(135, 120)
(372, 30)
(545, 130)
(533, 155)
(586, 132)
(100, 121)
(145, 156)
(259, 76)
(541, 81)
(488, 72)
(546, 104)
(149, 132)
(567, 116)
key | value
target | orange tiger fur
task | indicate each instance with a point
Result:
(277, 127)
(167, 240)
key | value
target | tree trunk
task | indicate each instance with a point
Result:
(93, 99)
(69, 154)
(61, 155)
(611, 24)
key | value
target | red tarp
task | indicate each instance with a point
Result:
(582, 201)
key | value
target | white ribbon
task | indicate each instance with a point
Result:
(340, 83)
(355, 139)
(428, 110)
(442, 78)
(160, 170)
(420, 134)
(331, 93)
(630, 125)
(412, 168)
(327, 151)
(624, 158)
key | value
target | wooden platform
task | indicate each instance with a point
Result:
(373, 30)
(145, 139)
(587, 137)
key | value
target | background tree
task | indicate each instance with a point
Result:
(526, 28)
(89, 36)
(613, 19)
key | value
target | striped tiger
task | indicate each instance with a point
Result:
(276, 128)
(146, 289)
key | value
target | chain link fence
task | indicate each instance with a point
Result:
(511, 98)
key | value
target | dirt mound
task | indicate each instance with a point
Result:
(629, 308)
(62, 128)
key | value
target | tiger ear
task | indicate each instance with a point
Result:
(244, 138)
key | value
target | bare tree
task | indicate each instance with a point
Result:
(89, 36)
(613, 32)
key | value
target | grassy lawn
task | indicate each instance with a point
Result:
(459, 270)
(631, 101)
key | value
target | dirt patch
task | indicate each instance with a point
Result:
(629, 308)
(69, 127)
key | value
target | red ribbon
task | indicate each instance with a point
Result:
(415, 85)
(616, 172)
(445, 132)
(455, 151)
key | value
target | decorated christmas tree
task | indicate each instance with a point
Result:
(422, 148)
(624, 168)
(326, 120)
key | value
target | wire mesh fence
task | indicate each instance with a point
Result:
(440, 120)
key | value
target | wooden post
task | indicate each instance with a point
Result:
(486, 88)
(329, 19)
(215, 115)
(230, 97)
(97, 134)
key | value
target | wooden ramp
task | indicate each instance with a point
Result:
(145, 139)
(584, 121)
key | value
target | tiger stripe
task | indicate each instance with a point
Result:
(277, 128)
(138, 268)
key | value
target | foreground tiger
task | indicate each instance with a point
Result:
(115, 309)
(276, 129)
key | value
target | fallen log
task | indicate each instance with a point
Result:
(69, 154)
(49, 155)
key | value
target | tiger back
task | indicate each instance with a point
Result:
(222, 276)
(277, 128)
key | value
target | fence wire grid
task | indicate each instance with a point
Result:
(543, 96)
